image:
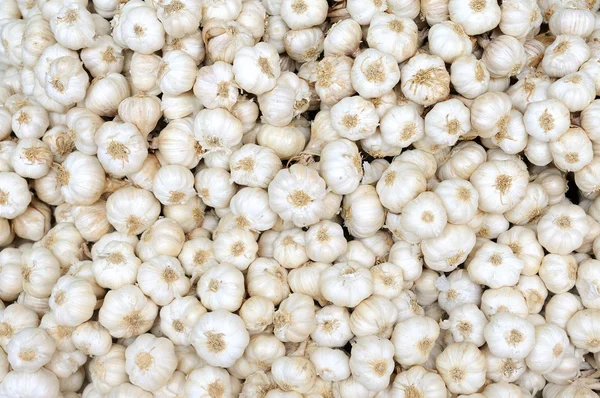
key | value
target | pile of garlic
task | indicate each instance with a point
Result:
(299, 198)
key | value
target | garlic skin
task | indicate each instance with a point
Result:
(565, 55)
(142, 110)
(214, 86)
(176, 73)
(30, 121)
(572, 21)
(31, 158)
(220, 338)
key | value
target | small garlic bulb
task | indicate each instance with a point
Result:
(220, 338)
(217, 130)
(417, 380)
(236, 246)
(504, 56)
(126, 312)
(466, 323)
(32, 158)
(519, 18)
(38, 384)
(142, 110)
(495, 265)
(30, 121)
(354, 118)
(333, 79)
(501, 184)
(257, 314)
(572, 21)
(150, 361)
(547, 120)
(449, 41)
(296, 194)
(288, 99)
(66, 81)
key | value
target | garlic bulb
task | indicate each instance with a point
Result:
(562, 228)
(504, 56)
(221, 288)
(150, 361)
(425, 79)
(371, 362)
(72, 301)
(294, 321)
(575, 90)
(413, 340)
(92, 339)
(509, 336)
(582, 329)
(131, 210)
(126, 312)
(383, 28)
(219, 338)
(162, 279)
(462, 367)
(106, 93)
(40, 383)
(121, 148)
(179, 317)
(73, 26)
